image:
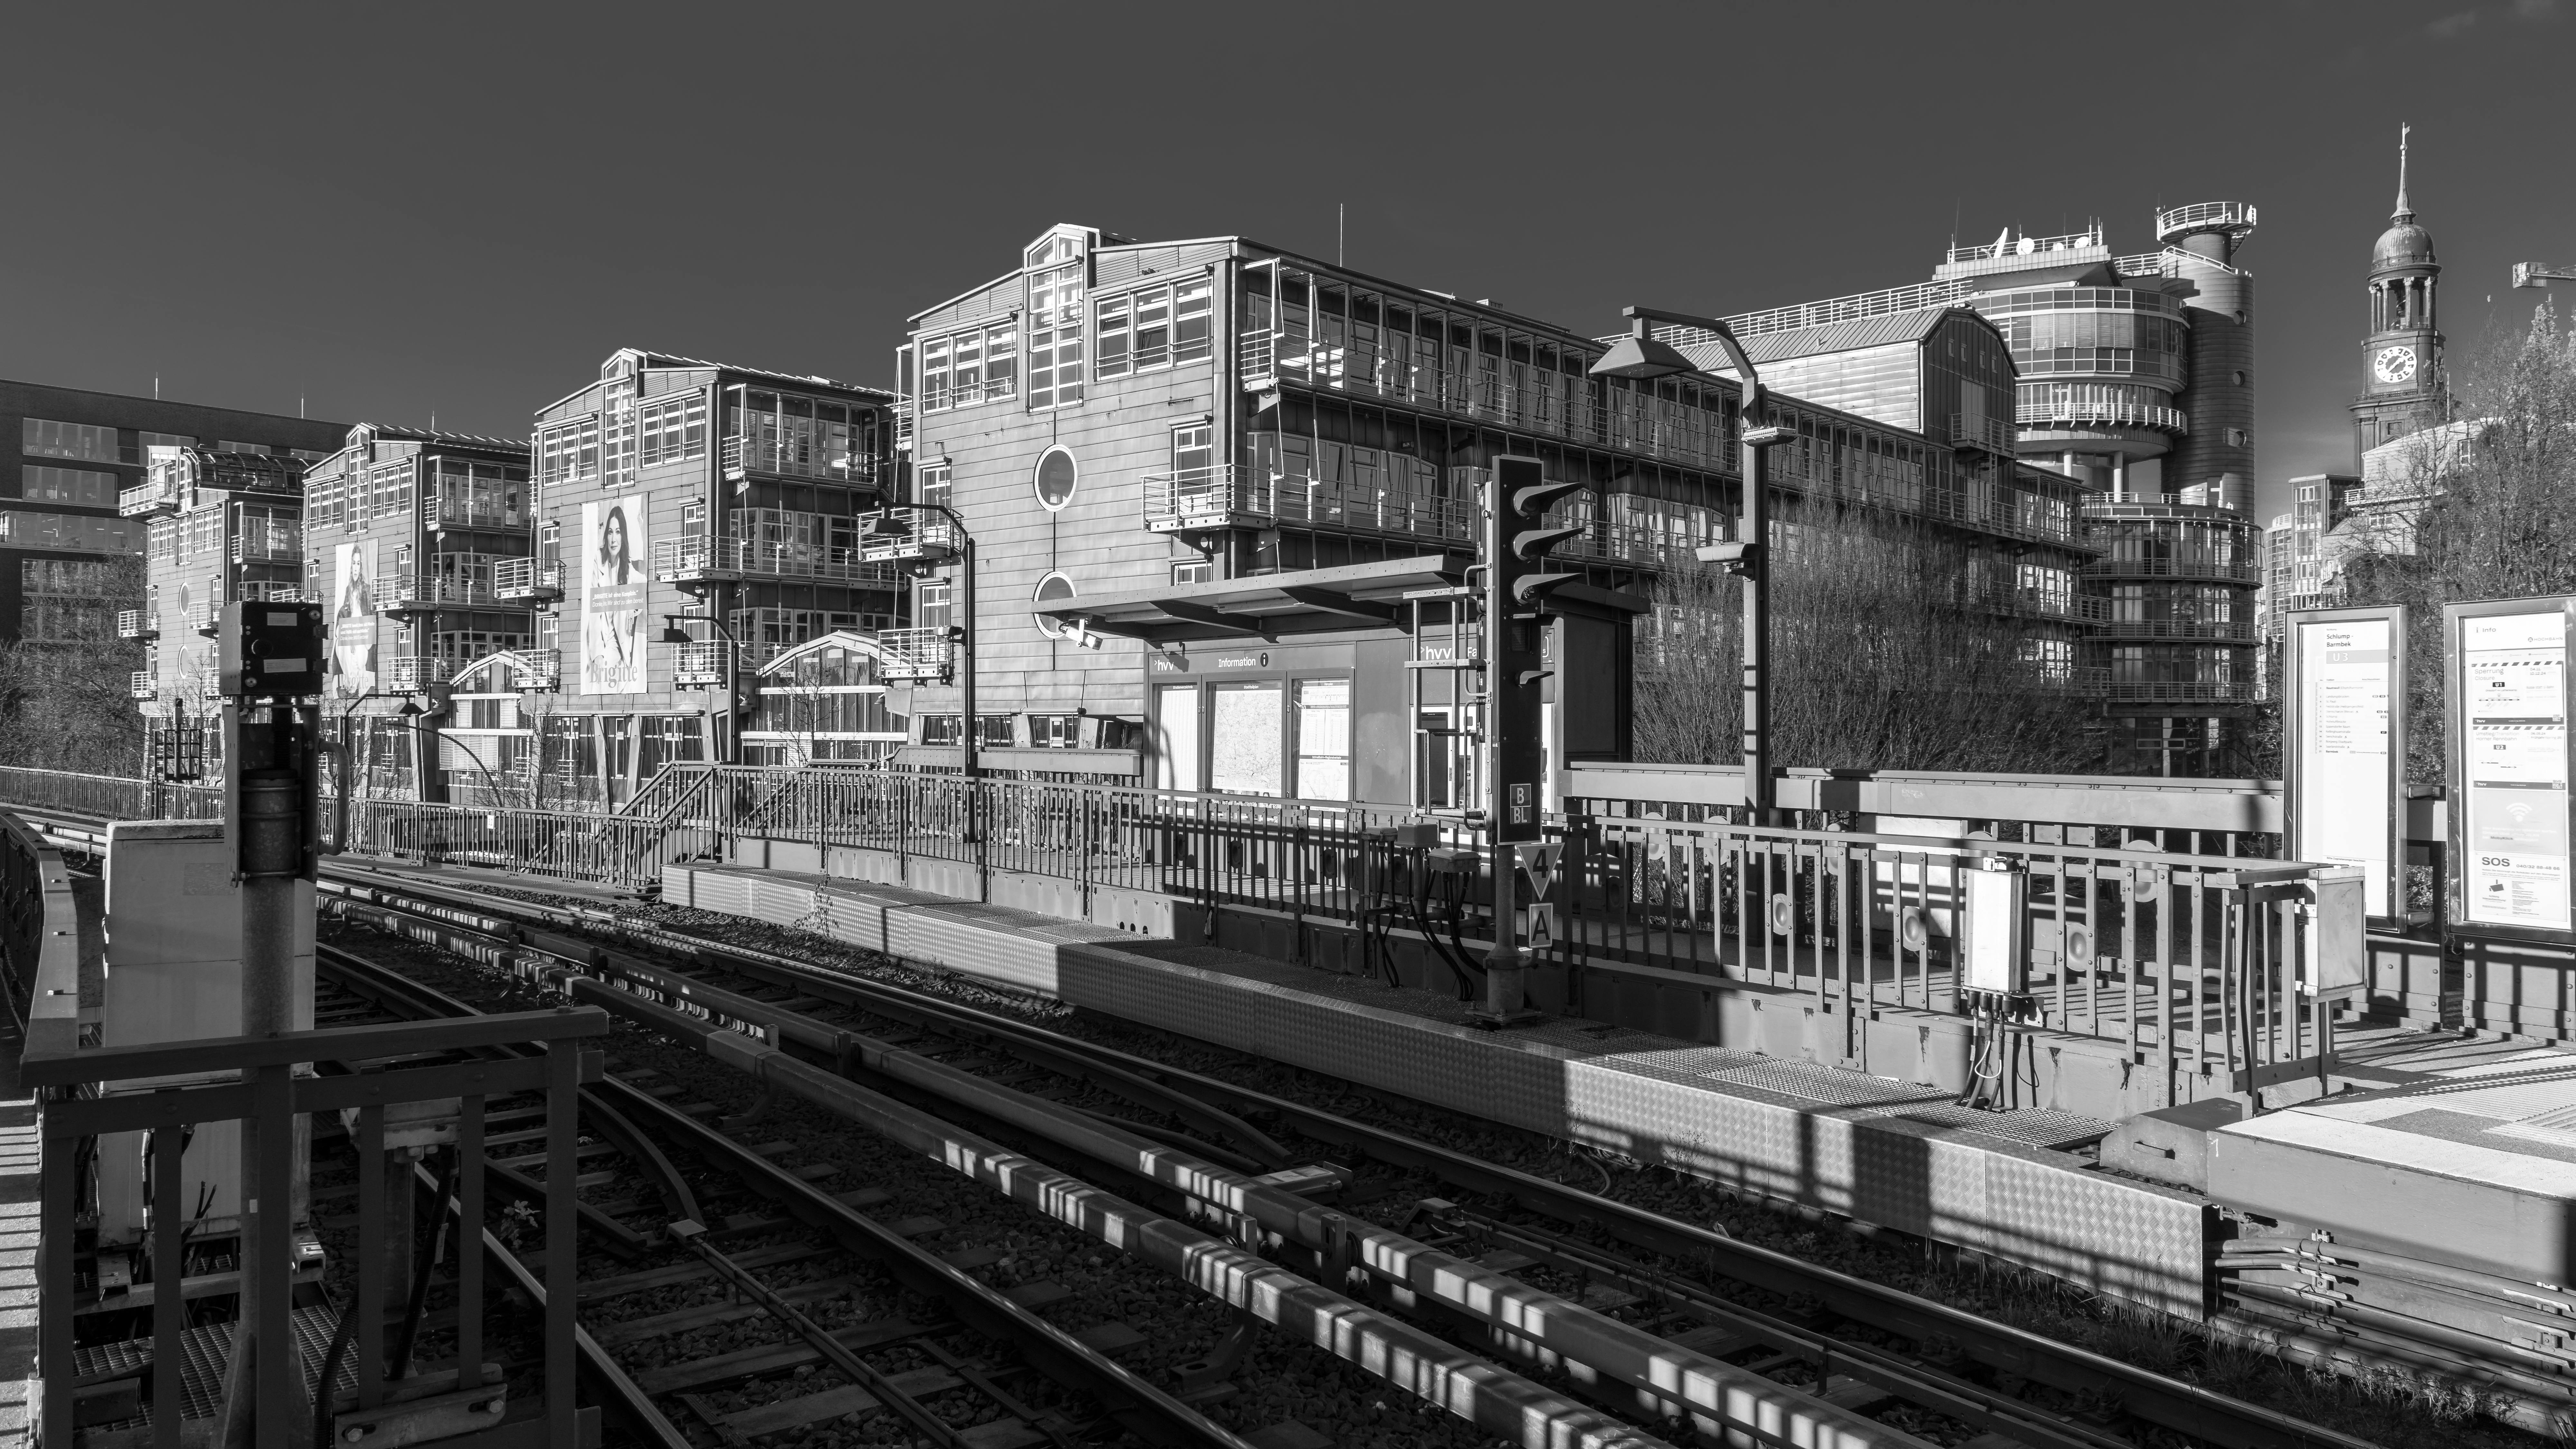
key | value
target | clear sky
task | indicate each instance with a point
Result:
(392, 213)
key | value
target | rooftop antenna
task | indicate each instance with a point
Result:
(1340, 210)
(156, 386)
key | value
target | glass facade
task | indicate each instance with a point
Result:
(45, 438)
(69, 532)
(76, 486)
(798, 436)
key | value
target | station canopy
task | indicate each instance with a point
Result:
(1347, 599)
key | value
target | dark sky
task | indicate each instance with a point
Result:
(391, 212)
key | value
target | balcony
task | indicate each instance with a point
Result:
(138, 624)
(916, 653)
(1200, 500)
(692, 560)
(142, 685)
(268, 540)
(797, 458)
(203, 617)
(700, 666)
(160, 495)
(2224, 631)
(540, 671)
(2172, 568)
(445, 510)
(527, 580)
(903, 424)
(414, 674)
(2180, 691)
(414, 594)
(1982, 434)
(2102, 413)
(910, 535)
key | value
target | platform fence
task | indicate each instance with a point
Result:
(2190, 957)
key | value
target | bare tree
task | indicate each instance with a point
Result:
(2497, 520)
(1890, 650)
(65, 700)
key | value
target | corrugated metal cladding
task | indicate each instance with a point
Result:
(1126, 264)
(1006, 295)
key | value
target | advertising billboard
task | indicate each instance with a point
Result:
(613, 580)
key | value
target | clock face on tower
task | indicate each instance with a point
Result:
(2393, 364)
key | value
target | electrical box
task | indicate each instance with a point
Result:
(2334, 952)
(1996, 955)
(270, 650)
(173, 974)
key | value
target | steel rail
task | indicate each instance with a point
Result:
(1138, 1405)
(2148, 1396)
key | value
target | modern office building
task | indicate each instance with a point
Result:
(2299, 568)
(220, 527)
(2132, 378)
(410, 534)
(695, 522)
(1224, 498)
(68, 557)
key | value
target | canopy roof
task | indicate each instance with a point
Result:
(1351, 598)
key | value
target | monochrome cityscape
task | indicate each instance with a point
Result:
(1217, 843)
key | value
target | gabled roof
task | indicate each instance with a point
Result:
(1849, 336)
(387, 432)
(670, 359)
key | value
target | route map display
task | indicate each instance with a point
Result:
(2345, 801)
(2510, 679)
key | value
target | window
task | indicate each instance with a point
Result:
(44, 438)
(1055, 365)
(935, 374)
(1200, 572)
(1190, 322)
(931, 608)
(1153, 328)
(674, 429)
(227, 445)
(390, 486)
(1055, 731)
(2239, 438)
(1115, 337)
(617, 459)
(1055, 478)
(1055, 588)
(150, 441)
(568, 452)
(930, 484)
(1001, 361)
(67, 531)
(1055, 324)
(76, 486)
(940, 729)
(1323, 739)
(993, 731)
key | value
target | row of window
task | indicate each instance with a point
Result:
(1136, 331)
(80, 487)
(674, 429)
(75, 533)
(89, 442)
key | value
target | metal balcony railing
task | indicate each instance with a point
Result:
(411, 674)
(676, 560)
(516, 579)
(2172, 568)
(159, 495)
(903, 423)
(907, 534)
(447, 510)
(202, 617)
(2180, 691)
(539, 670)
(699, 665)
(1199, 499)
(916, 653)
(142, 685)
(405, 593)
(1985, 433)
(796, 458)
(2235, 631)
(2102, 413)
(138, 624)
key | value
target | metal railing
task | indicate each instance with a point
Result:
(2108, 411)
(1222, 496)
(1992, 434)
(84, 1106)
(2239, 631)
(201, 617)
(412, 591)
(2115, 566)
(159, 494)
(538, 669)
(916, 653)
(938, 399)
(413, 673)
(526, 578)
(1915, 298)
(700, 664)
(138, 624)
(777, 457)
(452, 510)
(675, 559)
(143, 685)
(2181, 691)
(268, 541)
(906, 533)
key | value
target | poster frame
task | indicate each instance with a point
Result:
(2294, 723)
(2456, 850)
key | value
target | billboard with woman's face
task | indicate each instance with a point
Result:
(613, 580)
(353, 616)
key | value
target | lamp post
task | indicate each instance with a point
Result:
(970, 761)
(1642, 356)
(674, 633)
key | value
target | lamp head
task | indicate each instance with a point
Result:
(411, 709)
(1642, 357)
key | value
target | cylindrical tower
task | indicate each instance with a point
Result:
(2201, 242)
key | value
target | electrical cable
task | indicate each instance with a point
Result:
(400, 1360)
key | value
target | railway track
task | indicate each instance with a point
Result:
(806, 1275)
(1907, 1363)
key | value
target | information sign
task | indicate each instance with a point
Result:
(2347, 748)
(2509, 767)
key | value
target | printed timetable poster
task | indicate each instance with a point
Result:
(2346, 792)
(2513, 756)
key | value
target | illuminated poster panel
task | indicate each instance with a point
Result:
(2347, 739)
(2508, 677)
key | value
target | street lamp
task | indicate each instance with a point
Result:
(674, 633)
(1642, 356)
(969, 757)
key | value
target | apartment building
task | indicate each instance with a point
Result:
(1224, 500)
(220, 527)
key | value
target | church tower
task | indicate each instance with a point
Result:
(2401, 362)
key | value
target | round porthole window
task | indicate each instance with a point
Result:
(1056, 476)
(1053, 589)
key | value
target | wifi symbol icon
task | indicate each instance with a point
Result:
(2519, 811)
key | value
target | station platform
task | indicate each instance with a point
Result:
(1897, 1154)
(2460, 1152)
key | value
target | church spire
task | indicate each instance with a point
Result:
(2404, 213)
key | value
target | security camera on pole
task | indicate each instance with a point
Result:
(1516, 590)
